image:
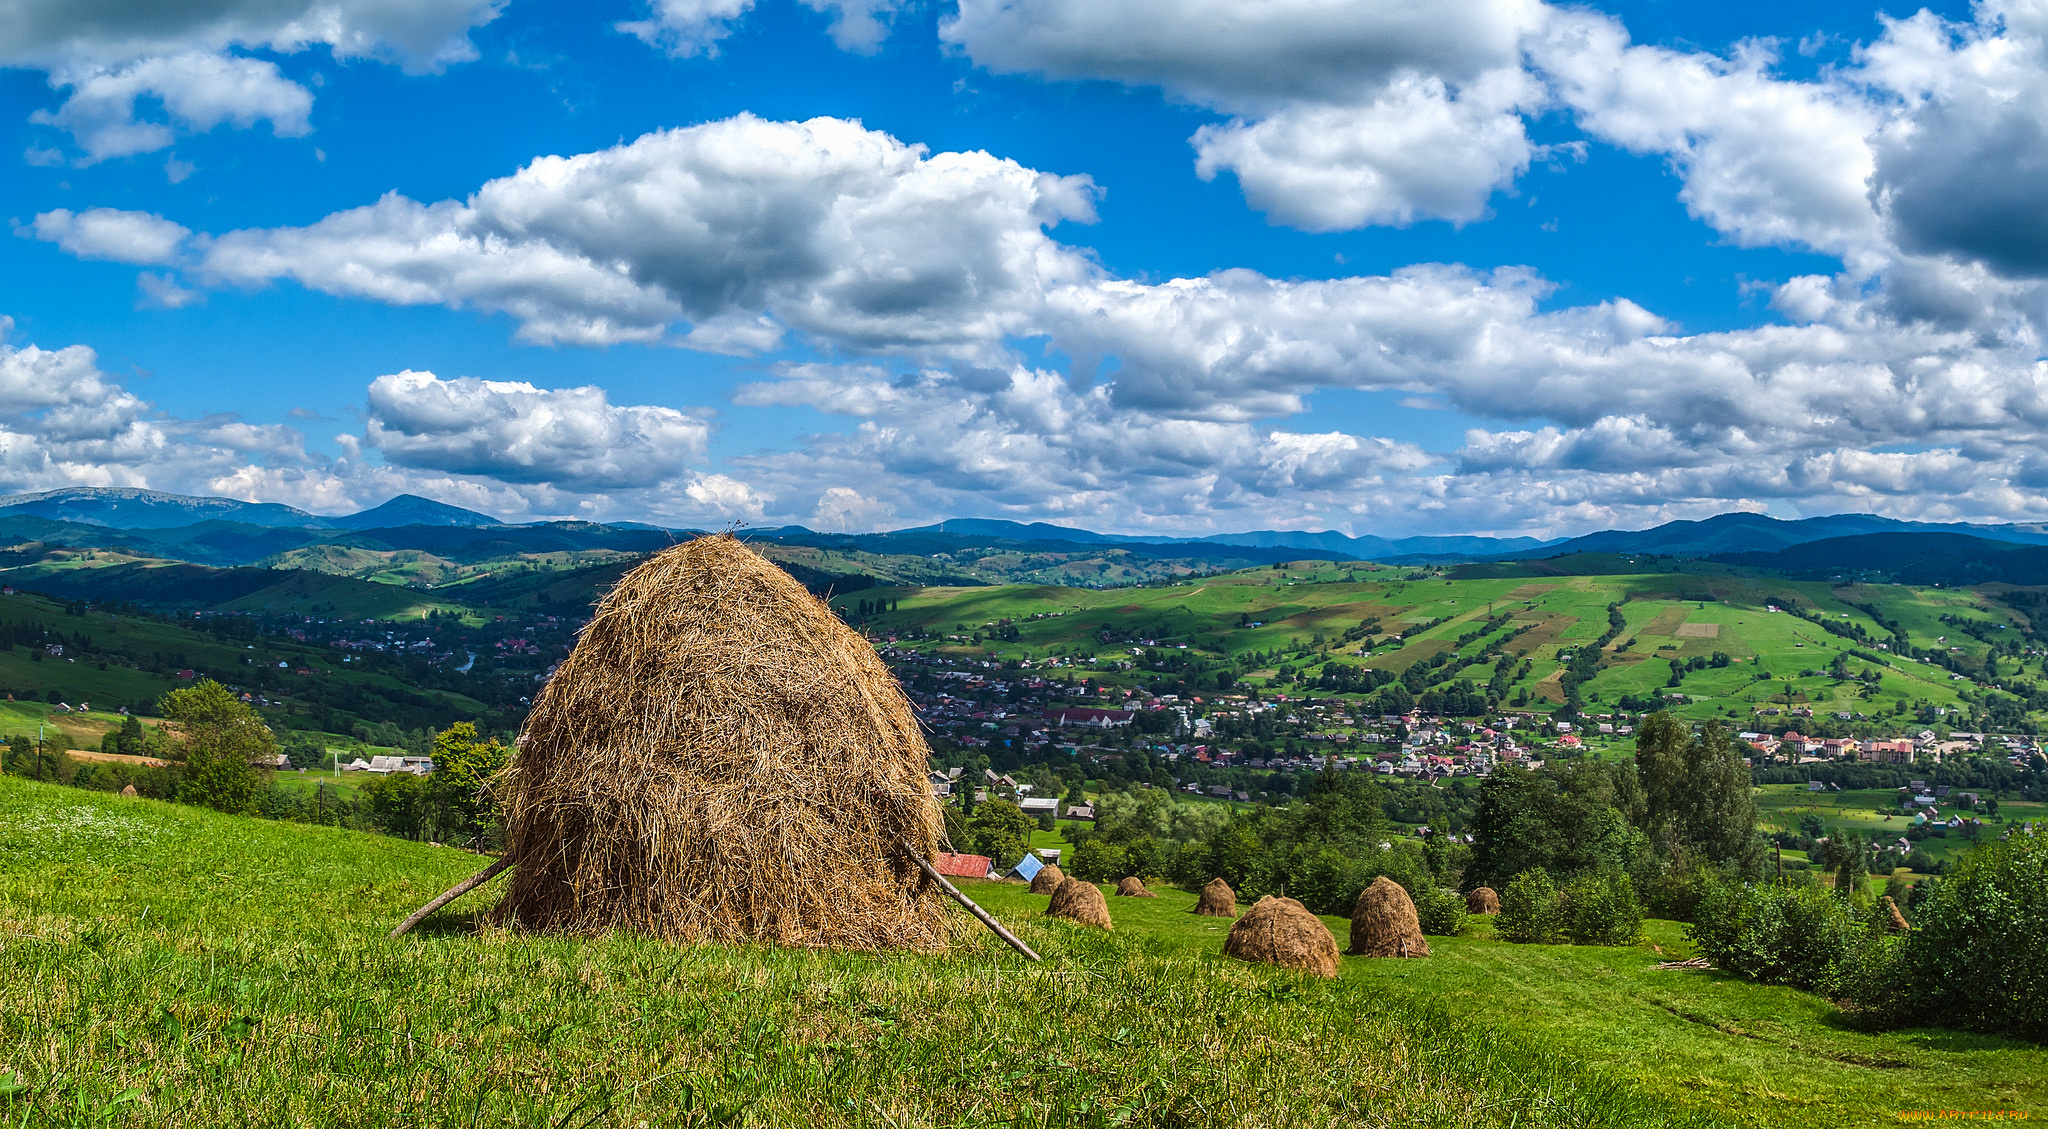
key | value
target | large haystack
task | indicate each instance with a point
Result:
(1047, 879)
(1383, 922)
(1894, 921)
(721, 759)
(1133, 887)
(1482, 900)
(1217, 900)
(129, 790)
(1080, 901)
(1282, 931)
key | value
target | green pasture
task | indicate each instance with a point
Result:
(166, 966)
(163, 966)
(1669, 616)
(1876, 811)
(104, 682)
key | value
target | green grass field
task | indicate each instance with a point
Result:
(1781, 806)
(1670, 616)
(110, 684)
(166, 966)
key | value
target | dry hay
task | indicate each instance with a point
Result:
(1383, 922)
(1894, 920)
(1048, 879)
(129, 790)
(1079, 901)
(1218, 900)
(1482, 900)
(1133, 887)
(1698, 631)
(1282, 931)
(721, 759)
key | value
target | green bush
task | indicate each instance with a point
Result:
(1099, 861)
(1978, 954)
(1328, 882)
(1870, 983)
(1529, 910)
(1601, 909)
(1796, 935)
(1441, 911)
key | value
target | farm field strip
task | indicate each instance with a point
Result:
(1668, 617)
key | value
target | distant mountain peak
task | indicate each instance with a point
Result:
(411, 509)
(128, 507)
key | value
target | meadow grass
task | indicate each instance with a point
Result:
(1731, 1050)
(166, 966)
(162, 965)
(1293, 606)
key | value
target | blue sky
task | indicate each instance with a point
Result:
(1139, 265)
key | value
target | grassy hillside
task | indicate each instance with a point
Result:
(113, 660)
(108, 575)
(1313, 613)
(167, 966)
(164, 966)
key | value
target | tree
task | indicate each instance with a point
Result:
(1099, 861)
(465, 766)
(399, 803)
(1000, 830)
(1697, 797)
(305, 751)
(128, 739)
(1568, 818)
(217, 739)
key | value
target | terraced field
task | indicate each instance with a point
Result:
(1774, 659)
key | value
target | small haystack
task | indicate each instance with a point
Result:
(1282, 931)
(1383, 922)
(721, 759)
(1133, 887)
(1047, 880)
(1895, 921)
(1079, 901)
(1482, 900)
(1218, 900)
(129, 790)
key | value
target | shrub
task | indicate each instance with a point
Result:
(1796, 935)
(1441, 911)
(1671, 891)
(1529, 910)
(1601, 909)
(1099, 861)
(1978, 954)
(1328, 882)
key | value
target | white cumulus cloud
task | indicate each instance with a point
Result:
(107, 54)
(573, 438)
(742, 228)
(141, 238)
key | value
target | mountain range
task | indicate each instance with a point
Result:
(226, 532)
(123, 507)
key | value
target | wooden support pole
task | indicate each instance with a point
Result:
(954, 892)
(459, 889)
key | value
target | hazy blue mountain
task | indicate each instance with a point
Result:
(1328, 542)
(1015, 531)
(1760, 533)
(1908, 558)
(121, 507)
(411, 509)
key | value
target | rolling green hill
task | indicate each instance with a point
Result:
(1281, 627)
(112, 660)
